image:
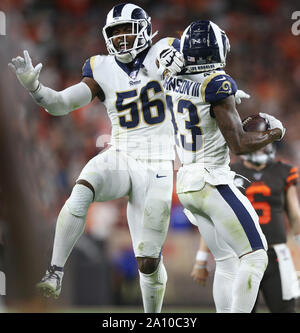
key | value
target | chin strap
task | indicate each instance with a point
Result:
(153, 35)
(126, 57)
(131, 55)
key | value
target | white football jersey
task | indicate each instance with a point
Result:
(135, 103)
(201, 146)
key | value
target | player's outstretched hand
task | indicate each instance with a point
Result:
(170, 59)
(239, 95)
(26, 73)
(273, 123)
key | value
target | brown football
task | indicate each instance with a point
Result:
(255, 123)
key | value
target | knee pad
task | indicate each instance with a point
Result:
(80, 200)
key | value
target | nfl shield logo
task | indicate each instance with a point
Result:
(133, 74)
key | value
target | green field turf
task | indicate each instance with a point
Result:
(126, 309)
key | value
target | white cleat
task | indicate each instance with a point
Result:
(50, 284)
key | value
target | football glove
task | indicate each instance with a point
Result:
(170, 59)
(273, 123)
(239, 95)
(25, 72)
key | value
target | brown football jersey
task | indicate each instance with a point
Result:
(266, 191)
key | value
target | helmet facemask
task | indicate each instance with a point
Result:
(140, 29)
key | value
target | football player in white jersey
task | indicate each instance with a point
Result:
(138, 163)
(208, 125)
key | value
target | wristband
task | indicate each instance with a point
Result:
(297, 239)
(202, 256)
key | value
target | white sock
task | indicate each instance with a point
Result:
(246, 284)
(153, 288)
(70, 223)
(225, 274)
(68, 229)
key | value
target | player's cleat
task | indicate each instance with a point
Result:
(50, 284)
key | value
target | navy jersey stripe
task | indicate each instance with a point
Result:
(118, 10)
(243, 215)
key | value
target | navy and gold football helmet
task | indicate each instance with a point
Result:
(204, 46)
(141, 29)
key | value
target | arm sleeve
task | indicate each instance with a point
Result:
(59, 103)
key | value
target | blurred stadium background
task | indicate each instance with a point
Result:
(41, 155)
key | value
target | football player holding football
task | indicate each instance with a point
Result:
(208, 125)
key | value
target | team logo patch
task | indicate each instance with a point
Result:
(225, 88)
(132, 83)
